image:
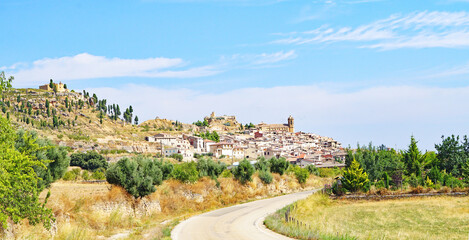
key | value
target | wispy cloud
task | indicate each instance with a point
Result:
(454, 71)
(257, 60)
(269, 58)
(415, 30)
(87, 66)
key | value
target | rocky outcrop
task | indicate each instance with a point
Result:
(139, 208)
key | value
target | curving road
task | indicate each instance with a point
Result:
(240, 222)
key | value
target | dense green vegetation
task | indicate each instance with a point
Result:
(186, 172)
(55, 158)
(388, 168)
(137, 176)
(210, 136)
(209, 168)
(201, 123)
(89, 161)
(19, 183)
(243, 172)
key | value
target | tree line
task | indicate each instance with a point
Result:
(384, 167)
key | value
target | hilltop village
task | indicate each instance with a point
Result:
(83, 123)
(253, 141)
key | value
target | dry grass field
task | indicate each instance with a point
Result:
(412, 218)
(100, 211)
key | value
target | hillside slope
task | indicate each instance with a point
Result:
(76, 120)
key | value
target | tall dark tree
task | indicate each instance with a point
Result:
(118, 111)
(452, 154)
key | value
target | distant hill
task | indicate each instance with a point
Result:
(82, 122)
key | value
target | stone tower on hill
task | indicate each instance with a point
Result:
(49, 87)
(291, 125)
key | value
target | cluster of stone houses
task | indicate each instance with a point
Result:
(299, 148)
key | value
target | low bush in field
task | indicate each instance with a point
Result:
(243, 172)
(301, 174)
(226, 174)
(185, 172)
(262, 164)
(167, 169)
(209, 168)
(138, 176)
(265, 176)
(99, 174)
(89, 161)
(72, 175)
(313, 170)
(177, 156)
(278, 165)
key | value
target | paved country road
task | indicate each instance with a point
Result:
(240, 222)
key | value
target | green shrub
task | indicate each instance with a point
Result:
(70, 176)
(19, 190)
(185, 172)
(435, 175)
(177, 156)
(354, 178)
(167, 169)
(428, 183)
(243, 172)
(265, 176)
(55, 158)
(412, 180)
(313, 169)
(379, 184)
(387, 179)
(226, 174)
(85, 175)
(262, 164)
(207, 167)
(278, 165)
(337, 188)
(452, 182)
(98, 174)
(89, 161)
(137, 176)
(301, 174)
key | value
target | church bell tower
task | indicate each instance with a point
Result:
(291, 126)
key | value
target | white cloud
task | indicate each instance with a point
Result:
(416, 30)
(427, 40)
(268, 58)
(386, 115)
(257, 60)
(87, 66)
(455, 71)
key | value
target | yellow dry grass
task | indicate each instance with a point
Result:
(412, 218)
(73, 205)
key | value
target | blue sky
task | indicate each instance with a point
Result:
(355, 70)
